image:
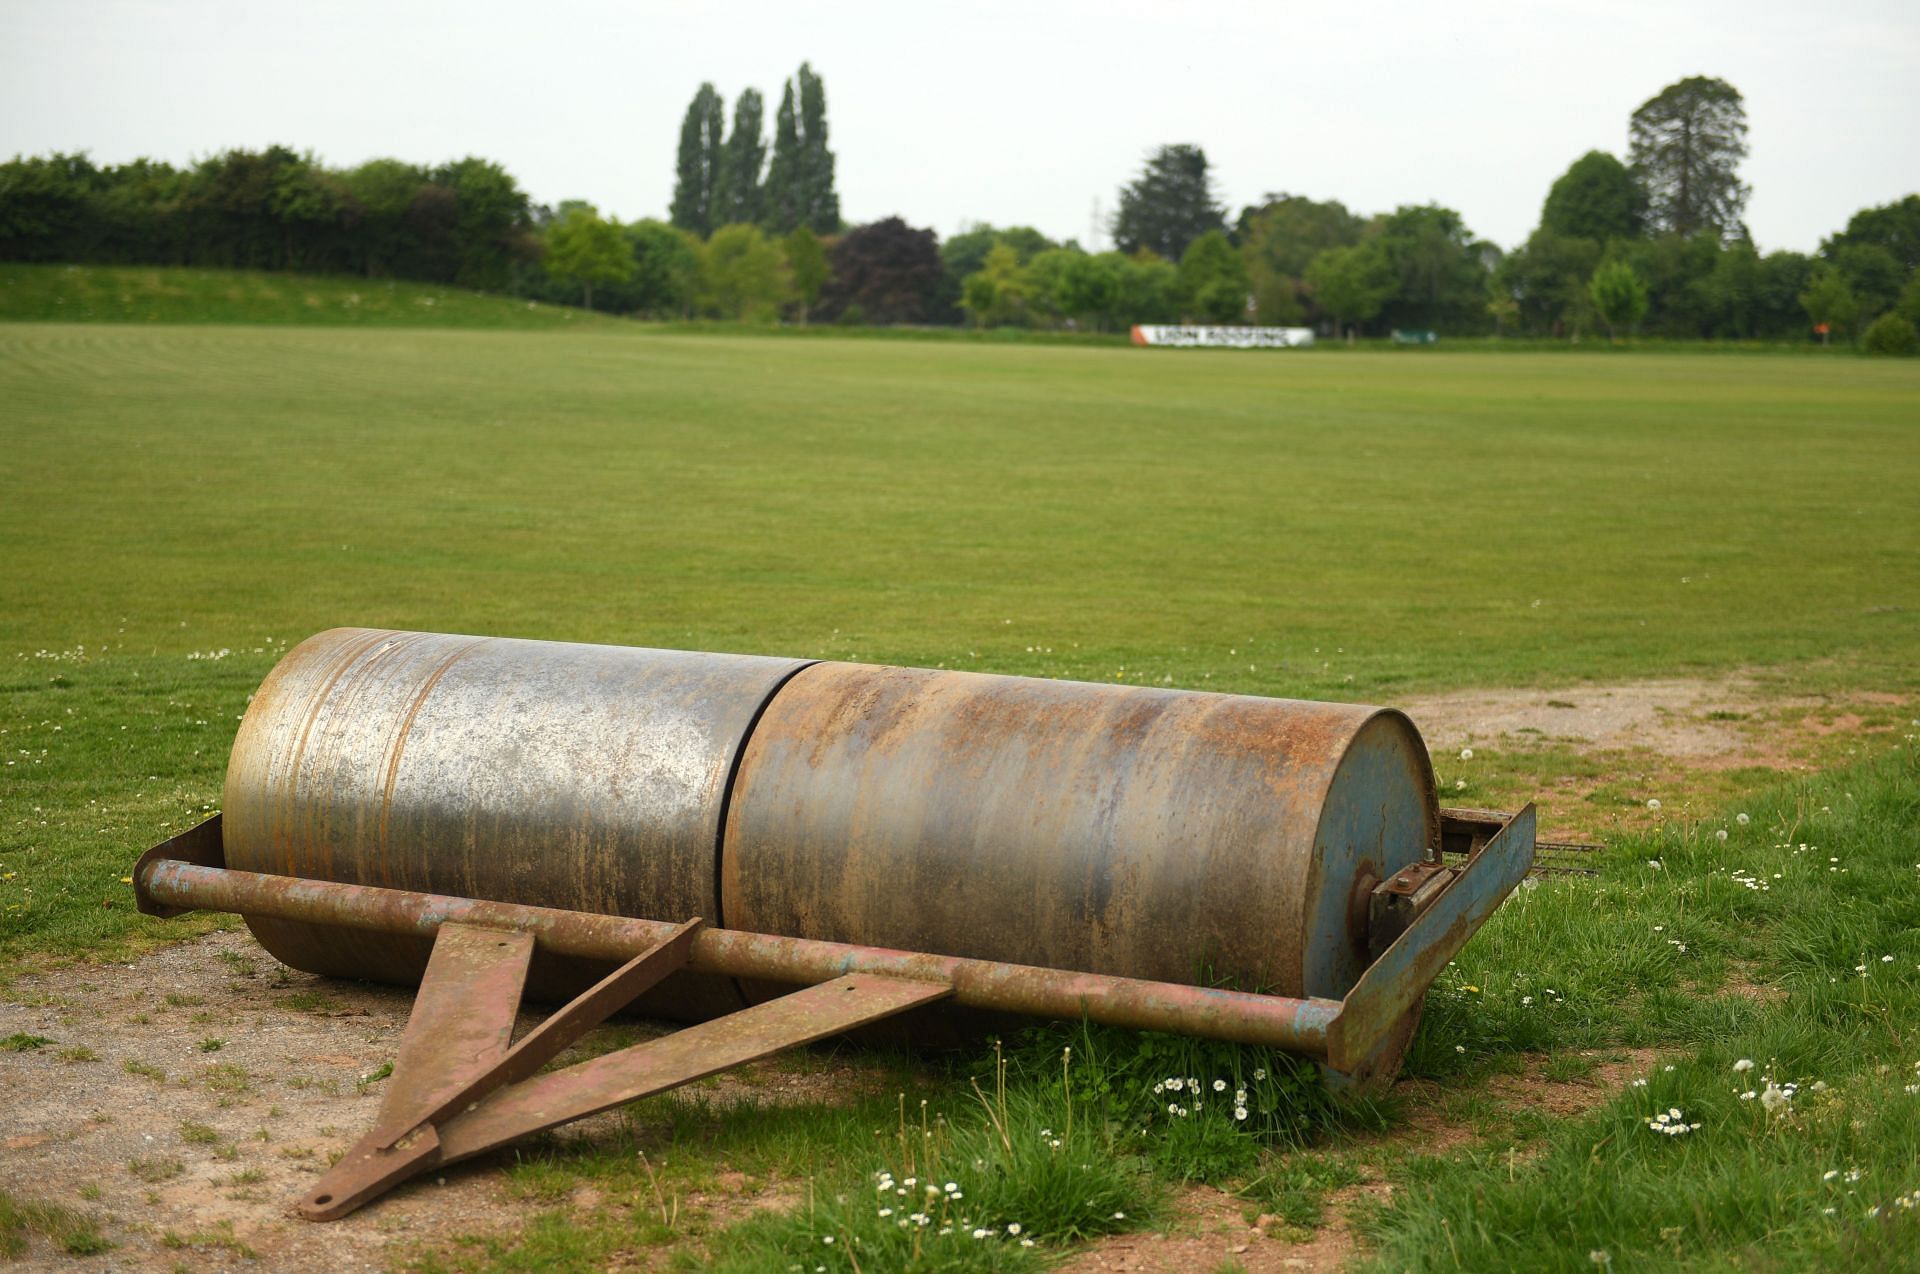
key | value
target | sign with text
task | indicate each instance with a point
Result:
(1225, 337)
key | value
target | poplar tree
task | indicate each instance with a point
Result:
(698, 165)
(800, 189)
(820, 204)
(737, 196)
(782, 193)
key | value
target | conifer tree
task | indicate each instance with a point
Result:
(820, 203)
(698, 165)
(800, 190)
(781, 196)
(737, 196)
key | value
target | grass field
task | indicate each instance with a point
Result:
(179, 503)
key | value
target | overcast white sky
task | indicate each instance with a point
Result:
(1000, 112)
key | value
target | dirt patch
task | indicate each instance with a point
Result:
(1689, 719)
(1428, 1128)
(187, 1099)
(1209, 1228)
(1740, 981)
(1594, 756)
(1570, 1098)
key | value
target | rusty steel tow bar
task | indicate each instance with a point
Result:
(461, 1085)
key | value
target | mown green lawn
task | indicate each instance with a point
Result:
(179, 503)
(1290, 523)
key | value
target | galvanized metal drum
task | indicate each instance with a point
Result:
(1156, 834)
(592, 778)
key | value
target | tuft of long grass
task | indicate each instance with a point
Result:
(72, 1232)
(1027, 1166)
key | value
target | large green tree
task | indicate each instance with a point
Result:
(1783, 277)
(1620, 296)
(585, 248)
(1213, 280)
(1280, 238)
(1597, 198)
(666, 277)
(1894, 226)
(995, 295)
(746, 274)
(737, 193)
(492, 219)
(800, 181)
(1872, 273)
(966, 252)
(697, 168)
(1439, 269)
(1351, 283)
(1547, 280)
(1088, 289)
(807, 264)
(1148, 288)
(1830, 303)
(1686, 146)
(1169, 205)
(47, 207)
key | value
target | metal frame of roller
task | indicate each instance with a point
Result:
(489, 817)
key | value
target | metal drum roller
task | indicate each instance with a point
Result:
(1148, 833)
(687, 834)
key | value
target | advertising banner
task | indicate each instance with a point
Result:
(1225, 337)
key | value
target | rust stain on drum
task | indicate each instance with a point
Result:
(1142, 833)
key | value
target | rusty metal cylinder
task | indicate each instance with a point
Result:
(1157, 834)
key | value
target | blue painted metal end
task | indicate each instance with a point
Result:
(1367, 1039)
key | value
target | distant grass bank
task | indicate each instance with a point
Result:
(160, 294)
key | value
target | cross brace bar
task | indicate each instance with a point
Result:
(459, 1090)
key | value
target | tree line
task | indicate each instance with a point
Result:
(1654, 243)
(466, 222)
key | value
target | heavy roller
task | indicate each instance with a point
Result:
(690, 836)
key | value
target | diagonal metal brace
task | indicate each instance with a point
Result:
(459, 1089)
